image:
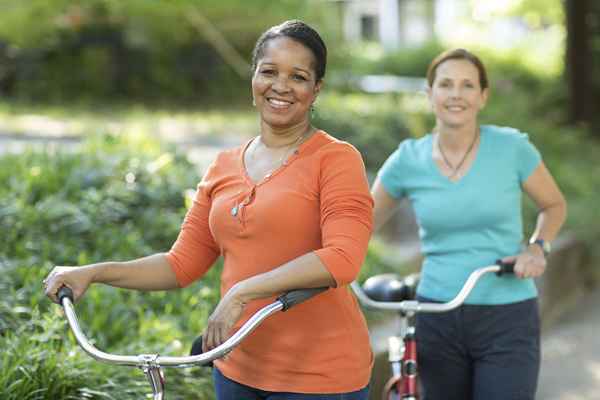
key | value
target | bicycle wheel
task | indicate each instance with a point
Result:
(394, 390)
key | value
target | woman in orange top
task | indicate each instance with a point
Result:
(289, 209)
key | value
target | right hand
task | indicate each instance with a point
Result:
(78, 279)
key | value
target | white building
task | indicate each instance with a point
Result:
(410, 23)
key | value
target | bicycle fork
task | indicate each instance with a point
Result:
(403, 361)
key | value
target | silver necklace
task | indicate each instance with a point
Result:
(464, 157)
(236, 208)
(283, 157)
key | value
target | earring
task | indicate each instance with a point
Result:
(253, 102)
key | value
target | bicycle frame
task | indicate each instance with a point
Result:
(402, 350)
(152, 364)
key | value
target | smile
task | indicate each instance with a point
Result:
(455, 108)
(279, 104)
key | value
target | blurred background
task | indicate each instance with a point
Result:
(110, 111)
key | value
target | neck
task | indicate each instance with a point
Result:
(456, 138)
(275, 137)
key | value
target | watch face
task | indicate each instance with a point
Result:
(546, 247)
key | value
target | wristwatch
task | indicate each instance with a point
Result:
(544, 244)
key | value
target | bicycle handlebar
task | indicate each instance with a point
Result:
(283, 303)
(416, 306)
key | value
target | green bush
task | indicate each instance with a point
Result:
(374, 124)
(115, 198)
(151, 51)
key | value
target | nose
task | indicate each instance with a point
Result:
(280, 84)
(455, 92)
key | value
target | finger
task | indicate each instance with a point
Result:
(509, 259)
(204, 340)
(210, 337)
(51, 292)
(519, 270)
(222, 336)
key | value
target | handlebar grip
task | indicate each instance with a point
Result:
(197, 349)
(505, 267)
(63, 292)
(294, 297)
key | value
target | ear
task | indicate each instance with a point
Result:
(484, 97)
(318, 87)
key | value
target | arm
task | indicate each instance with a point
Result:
(385, 205)
(542, 189)
(148, 273)
(306, 271)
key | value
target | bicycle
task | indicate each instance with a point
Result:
(152, 364)
(389, 292)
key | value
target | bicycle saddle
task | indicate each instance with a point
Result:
(391, 287)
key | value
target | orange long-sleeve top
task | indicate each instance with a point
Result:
(318, 201)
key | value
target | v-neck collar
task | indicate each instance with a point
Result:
(473, 166)
(293, 156)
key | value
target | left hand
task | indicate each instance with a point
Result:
(529, 264)
(221, 321)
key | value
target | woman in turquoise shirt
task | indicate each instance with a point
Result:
(465, 182)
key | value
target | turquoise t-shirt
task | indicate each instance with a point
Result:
(470, 223)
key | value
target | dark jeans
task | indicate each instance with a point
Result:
(226, 389)
(480, 352)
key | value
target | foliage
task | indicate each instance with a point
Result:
(67, 50)
(370, 59)
(375, 125)
(116, 198)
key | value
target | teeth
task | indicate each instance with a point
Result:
(455, 108)
(279, 103)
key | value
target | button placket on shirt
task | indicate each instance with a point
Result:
(240, 209)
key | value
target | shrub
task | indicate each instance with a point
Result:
(115, 198)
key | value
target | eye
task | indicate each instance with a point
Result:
(267, 71)
(444, 84)
(298, 77)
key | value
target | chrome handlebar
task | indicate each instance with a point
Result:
(282, 303)
(417, 306)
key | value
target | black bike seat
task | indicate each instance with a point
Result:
(391, 287)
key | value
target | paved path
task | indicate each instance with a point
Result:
(571, 354)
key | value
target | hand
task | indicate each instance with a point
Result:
(221, 321)
(529, 264)
(77, 279)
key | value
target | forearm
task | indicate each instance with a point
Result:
(304, 272)
(549, 221)
(148, 273)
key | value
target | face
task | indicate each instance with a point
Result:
(284, 84)
(456, 96)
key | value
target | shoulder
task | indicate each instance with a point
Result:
(411, 152)
(504, 135)
(326, 146)
(224, 162)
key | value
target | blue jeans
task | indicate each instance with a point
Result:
(226, 389)
(480, 352)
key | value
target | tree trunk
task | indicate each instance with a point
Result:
(579, 60)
